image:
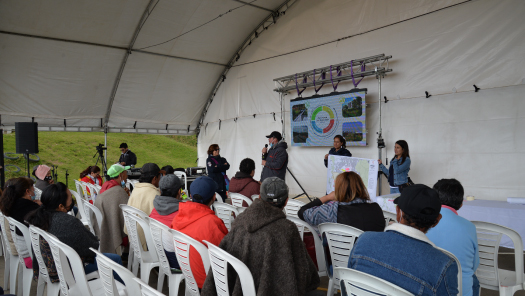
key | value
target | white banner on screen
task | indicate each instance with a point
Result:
(366, 168)
(316, 120)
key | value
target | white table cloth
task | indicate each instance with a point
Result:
(497, 212)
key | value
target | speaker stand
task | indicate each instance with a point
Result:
(27, 160)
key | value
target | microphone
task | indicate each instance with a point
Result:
(264, 155)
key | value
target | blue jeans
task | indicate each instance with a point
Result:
(91, 267)
(394, 190)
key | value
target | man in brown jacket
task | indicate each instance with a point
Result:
(243, 182)
(270, 246)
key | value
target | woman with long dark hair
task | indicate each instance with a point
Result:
(16, 202)
(52, 217)
(217, 167)
(397, 173)
(349, 204)
(339, 149)
(91, 175)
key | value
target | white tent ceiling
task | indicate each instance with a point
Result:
(63, 59)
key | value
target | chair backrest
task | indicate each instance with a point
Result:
(219, 260)
(363, 284)
(80, 205)
(132, 219)
(158, 230)
(38, 193)
(460, 273)
(319, 249)
(146, 290)
(180, 175)
(92, 210)
(255, 196)
(182, 250)
(218, 198)
(238, 198)
(13, 225)
(84, 186)
(224, 211)
(69, 267)
(292, 207)
(94, 189)
(241, 209)
(35, 233)
(341, 239)
(5, 239)
(106, 267)
(78, 186)
(389, 217)
(135, 211)
(489, 236)
(86, 214)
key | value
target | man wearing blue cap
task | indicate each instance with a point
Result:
(197, 220)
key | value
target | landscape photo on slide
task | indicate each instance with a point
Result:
(300, 134)
(353, 131)
(353, 107)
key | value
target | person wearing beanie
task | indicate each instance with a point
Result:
(113, 194)
(403, 255)
(197, 220)
(270, 246)
(165, 208)
(43, 177)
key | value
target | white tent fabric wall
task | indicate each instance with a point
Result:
(477, 138)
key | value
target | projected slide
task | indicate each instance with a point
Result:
(316, 120)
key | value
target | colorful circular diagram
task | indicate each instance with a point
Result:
(323, 120)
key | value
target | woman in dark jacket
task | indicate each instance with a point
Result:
(349, 204)
(339, 149)
(217, 167)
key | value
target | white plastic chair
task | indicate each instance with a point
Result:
(292, 207)
(147, 259)
(219, 260)
(389, 217)
(363, 284)
(80, 191)
(182, 250)
(73, 280)
(94, 191)
(158, 230)
(25, 275)
(91, 211)
(460, 273)
(112, 287)
(81, 210)
(87, 195)
(53, 289)
(241, 209)
(319, 249)
(224, 211)
(341, 239)
(238, 198)
(218, 198)
(183, 175)
(11, 261)
(488, 273)
(146, 290)
(38, 193)
(132, 264)
(255, 196)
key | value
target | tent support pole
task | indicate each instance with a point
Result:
(380, 141)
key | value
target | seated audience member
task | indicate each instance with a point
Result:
(91, 175)
(403, 255)
(243, 182)
(112, 234)
(349, 204)
(114, 177)
(144, 193)
(43, 177)
(270, 246)
(197, 220)
(168, 169)
(166, 207)
(17, 202)
(457, 234)
(52, 217)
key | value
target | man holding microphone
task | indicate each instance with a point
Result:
(275, 159)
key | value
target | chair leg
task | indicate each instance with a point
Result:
(160, 281)
(20, 280)
(131, 256)
(28, 278)
(135, 267)
(7, 268)
(41, 285)
(174, 283)
(13, 273)
(145, 270)
(330, 288)
(53, 289)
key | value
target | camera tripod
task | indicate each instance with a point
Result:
(101, 159)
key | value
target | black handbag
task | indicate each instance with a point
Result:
(405, 185)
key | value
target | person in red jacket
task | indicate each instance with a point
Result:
(243, 182)
(197, 220)
(91, 175)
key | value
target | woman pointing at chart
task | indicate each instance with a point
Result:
(339, 149)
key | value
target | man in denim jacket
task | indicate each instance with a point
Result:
(403, 255)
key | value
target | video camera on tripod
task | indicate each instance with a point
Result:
(100, 151)
(100, 148)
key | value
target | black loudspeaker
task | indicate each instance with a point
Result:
(26, 137)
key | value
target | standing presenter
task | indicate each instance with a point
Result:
(397, 173)
(275, 159)
(339, 149)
